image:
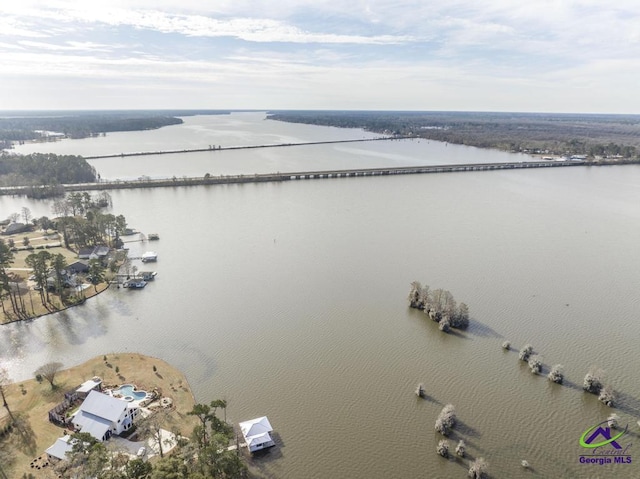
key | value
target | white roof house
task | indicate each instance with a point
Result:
(60, 447)
(256, 433)
(102, 416)
(89, 385)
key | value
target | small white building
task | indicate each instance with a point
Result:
(256, 433)
(102, 416)
(60, 448)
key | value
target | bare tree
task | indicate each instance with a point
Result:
(443, 448)
(26, 215)
(446, 420)
(535, 364)
(593, 381)
(478, 468)
(556, 374)
(48, 371)
(14, 217)
(461, 448)
(4, 382)
(525, 352)
(607, 395)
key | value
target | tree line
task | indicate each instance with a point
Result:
(44, 169)
(560, 134)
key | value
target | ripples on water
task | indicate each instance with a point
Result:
(289, 300)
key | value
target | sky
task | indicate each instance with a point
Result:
(454, 55)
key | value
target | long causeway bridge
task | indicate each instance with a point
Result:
(317, 175)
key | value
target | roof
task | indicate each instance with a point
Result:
(89, 385)
(15, 228)
(255, 427)
(60, 447)
(94, 425)
(103, 406)
(258, 439)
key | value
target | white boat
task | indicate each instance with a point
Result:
(149, 256)
(135, 284)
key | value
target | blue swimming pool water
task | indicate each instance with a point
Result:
(127, 390)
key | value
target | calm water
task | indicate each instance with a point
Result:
(289, 300)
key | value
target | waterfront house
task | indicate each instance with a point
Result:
(93, 252)
(256, 434)
(14, 228)
(78, 267)
(103, 416)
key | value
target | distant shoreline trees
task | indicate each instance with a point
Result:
(44, 169)
(439, 305)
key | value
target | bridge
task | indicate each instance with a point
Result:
(315, 175)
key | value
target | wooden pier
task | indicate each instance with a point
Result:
(317, 175)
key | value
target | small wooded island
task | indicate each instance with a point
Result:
(440, 306)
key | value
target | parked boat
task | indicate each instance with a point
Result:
(153, 236)
(147, 275)
(149, 256)
(135, 284)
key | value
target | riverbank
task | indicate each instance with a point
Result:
(31, 401)
(20, 272)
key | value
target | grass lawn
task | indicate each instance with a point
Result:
(31, 401)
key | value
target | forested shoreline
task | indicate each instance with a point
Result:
(44, 169)
(595, 136)
(21, 126)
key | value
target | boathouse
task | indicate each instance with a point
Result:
(256, 433)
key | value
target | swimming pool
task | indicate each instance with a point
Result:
(128, 391)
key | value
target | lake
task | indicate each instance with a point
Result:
(289, 299)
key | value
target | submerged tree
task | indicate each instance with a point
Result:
(461, 448)
(612, 421)
(607, 395)
(443, 448)
(556, 374)
(535, 364)
(478, 468)
(506, 345)
(593, 381)
(525, 352)
(446, 420)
